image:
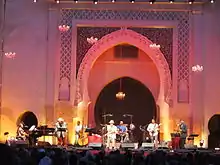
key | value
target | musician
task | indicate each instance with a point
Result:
(21, 134)
(61, 131)
(123, 131)
(153, 129)
(111, 134)
(131, 131)
(183, 133)
(78, 128)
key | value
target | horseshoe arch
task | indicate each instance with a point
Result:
(113, 39)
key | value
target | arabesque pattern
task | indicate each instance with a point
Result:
(68, 15)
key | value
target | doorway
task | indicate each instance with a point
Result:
(138, 102)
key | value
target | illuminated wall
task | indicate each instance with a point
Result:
(30, 80)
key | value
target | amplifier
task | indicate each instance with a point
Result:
(95, 145)
(128, 145)
(147, 145)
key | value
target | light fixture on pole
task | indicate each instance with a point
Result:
(64, 28)
(154, 45)
(120, 95)
(10, 55)
(197, 68)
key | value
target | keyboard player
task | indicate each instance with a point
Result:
(61, 131)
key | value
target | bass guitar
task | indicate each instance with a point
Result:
(83, 136)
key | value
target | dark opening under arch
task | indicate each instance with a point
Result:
(28, 118)
(138, 101)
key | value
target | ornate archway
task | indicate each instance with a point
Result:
(123, 36)
(133, 38)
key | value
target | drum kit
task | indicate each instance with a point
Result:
(120, 135)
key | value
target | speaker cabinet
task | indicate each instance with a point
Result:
(147, 145)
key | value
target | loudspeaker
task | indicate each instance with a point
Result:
(147, 145)
(95, 145)
(127, 145)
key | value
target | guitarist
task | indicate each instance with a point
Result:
(153, 129)
(111, 134)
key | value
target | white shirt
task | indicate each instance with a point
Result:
(112, 129)
(78, 128)
(153, 127)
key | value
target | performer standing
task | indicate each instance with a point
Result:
(153, 129)
(78, 128)
(123, 131)
(111, 134)
(61, 131)
(183, 133)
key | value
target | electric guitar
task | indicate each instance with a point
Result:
(154, 131)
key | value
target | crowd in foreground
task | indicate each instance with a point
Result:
(60, 156)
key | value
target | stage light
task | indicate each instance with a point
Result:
(171, 1)
(113, 1)
(76, 1)
(152, 1)
(35, 1)
(191, 2)
(95, 1)
(57, 1)
(132, 1)
(212, 1)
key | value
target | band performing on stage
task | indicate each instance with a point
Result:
(109, 135)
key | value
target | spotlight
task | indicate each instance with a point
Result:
(95, 1)
(35, 1)
(171, 1)
(113, 1)
(132, 1)
(57, 1)
(212, 1)
(191, 2)
(152, 1)
(76, 1)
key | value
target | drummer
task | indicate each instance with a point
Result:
(123, 131)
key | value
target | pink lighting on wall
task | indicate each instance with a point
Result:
(154, 46)
(197, 68)
(92, 40)
(64, 28)
(10, 55)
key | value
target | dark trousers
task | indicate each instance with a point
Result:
(182, 142)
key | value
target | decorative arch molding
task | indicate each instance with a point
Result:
(123, 36)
